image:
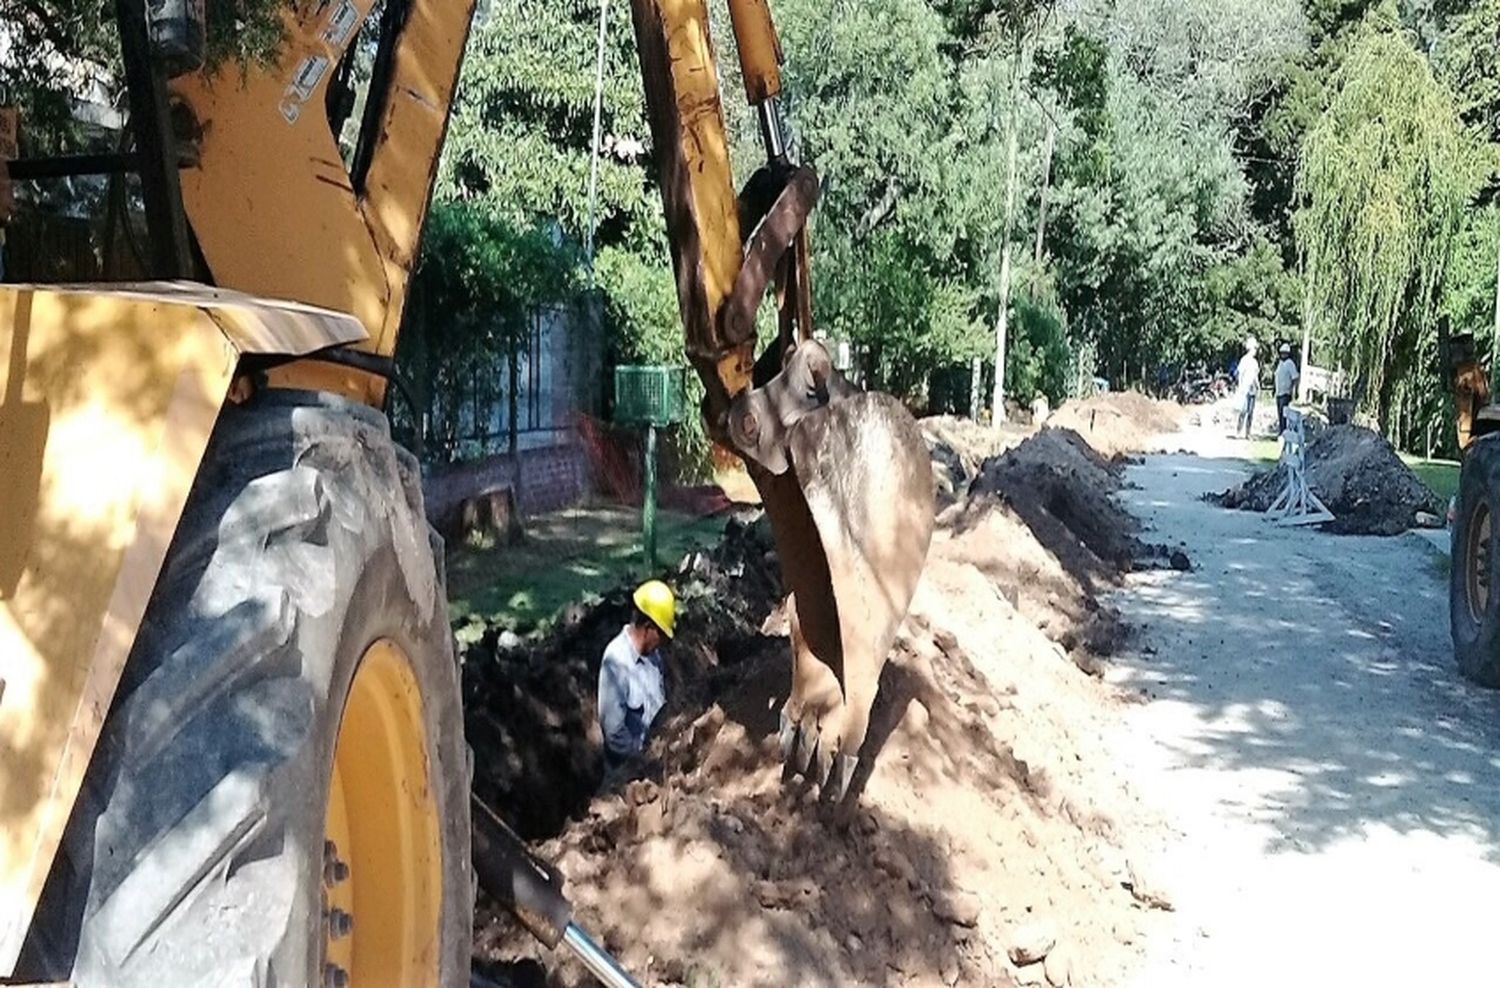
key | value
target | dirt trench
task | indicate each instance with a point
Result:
(988, 820)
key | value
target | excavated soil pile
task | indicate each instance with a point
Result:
(959, 448)
(1040, 521)
(1357, 474)
(1121, 423)
(990, 840)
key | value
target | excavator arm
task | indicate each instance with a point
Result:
(844, 475)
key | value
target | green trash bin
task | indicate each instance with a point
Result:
(653, 396)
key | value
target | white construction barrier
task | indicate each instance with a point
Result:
(1296, 504)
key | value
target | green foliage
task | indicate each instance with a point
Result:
(1146, 212)
(486, 275)
(877, 113)
(641, 304)
(1382, 182)
(1039, 359)
(1469, 289)
(59, 51)
(521, 133)
(1251, 294)
(1077, 70)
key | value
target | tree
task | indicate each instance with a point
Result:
(880, 113)
(478, 285)
(1382, 181)
(55, 52)
(520, 139)
(1020, 26)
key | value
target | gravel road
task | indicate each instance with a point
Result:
(1331, 786)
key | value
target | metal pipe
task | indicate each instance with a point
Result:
(648, 502)
(772, 130)
(599, 963)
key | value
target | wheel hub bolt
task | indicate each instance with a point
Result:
(340, 924)
(335, 976)
(334, 868)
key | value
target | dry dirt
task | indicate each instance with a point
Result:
(989, 816)
(1357, 475)
(1332, 780)
(1122, 423)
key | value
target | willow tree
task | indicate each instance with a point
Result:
(1381, 184)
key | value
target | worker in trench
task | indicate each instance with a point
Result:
(632, 690)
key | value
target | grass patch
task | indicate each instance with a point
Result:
(1264, 450)
(1441, 476)
(566, 557)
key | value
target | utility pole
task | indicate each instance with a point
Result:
(1002, 318)
(1041, 215)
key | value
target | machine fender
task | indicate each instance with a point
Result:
(107, 400)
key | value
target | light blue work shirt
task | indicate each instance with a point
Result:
(631, 694)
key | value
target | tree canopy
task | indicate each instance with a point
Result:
(1382, 183)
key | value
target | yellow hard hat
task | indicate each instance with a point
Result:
(656, 600)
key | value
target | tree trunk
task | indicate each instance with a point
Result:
(1306, 337)
(514, 359)
(1002, 318)
(1383, 405)
(1495, 331)
(1041, 213)
(976, 383)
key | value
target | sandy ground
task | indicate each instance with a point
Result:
(1332, 787)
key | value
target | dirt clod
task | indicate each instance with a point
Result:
(1058, 968)
(959, 907)
(1030, 943)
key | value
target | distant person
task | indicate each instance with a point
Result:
(1247, 384)
(1286, 380)
(631, 689)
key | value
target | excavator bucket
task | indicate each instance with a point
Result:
(844, 474)
(847, 481)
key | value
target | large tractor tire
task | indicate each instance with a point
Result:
(1473, 588)
(280, 794)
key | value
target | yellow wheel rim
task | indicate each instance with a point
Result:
(382, 850)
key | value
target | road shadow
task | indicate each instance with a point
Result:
(1320, 664)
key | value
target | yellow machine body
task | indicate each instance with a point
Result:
(111, 392)
(108, 400)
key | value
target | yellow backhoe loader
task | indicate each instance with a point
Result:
(230, 744)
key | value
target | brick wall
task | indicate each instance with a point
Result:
(556, 477)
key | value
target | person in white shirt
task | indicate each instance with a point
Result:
(1247, 384)
(1286, 381)
(631, 687)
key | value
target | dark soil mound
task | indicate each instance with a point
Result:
(1061, 487)
(1357, 474)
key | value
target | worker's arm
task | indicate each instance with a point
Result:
(613, 693)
